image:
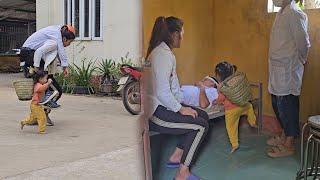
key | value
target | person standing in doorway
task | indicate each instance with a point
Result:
(289, 44)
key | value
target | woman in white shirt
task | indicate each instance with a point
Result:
(44, 48)
(169, 115)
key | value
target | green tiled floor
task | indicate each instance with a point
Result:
(215, 163)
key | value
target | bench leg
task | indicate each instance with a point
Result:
(260, 111)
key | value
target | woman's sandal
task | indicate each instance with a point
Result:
(193, 177)
(280, 151)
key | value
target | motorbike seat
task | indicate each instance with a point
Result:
(131, 67)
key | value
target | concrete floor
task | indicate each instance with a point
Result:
(214, 162)
(94, 138)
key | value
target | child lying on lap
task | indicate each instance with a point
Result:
(202, 94)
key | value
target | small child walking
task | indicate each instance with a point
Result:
(41, 84)
(233, 112)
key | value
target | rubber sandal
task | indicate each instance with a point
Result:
(193, 177)
(49, 122)
(274, 141)
(280, 151)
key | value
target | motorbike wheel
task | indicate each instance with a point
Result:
(130, 89)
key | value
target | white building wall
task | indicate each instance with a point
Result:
(122, 29)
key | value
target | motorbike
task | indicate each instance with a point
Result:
(129, 87)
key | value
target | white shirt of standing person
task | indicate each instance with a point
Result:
(288, 51)
(47, 42)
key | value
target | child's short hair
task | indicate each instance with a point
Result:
(225, 70)
(39, 74)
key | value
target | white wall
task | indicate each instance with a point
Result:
(122, 29)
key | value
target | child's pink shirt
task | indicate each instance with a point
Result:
(38, 92)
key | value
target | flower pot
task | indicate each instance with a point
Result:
(81, 90)
(106, 88)
(67, 88)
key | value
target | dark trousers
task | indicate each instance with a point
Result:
(286, 109)
(193, 130)
(27, 55)
(56, 85)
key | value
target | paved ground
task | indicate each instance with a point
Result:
(94, 138)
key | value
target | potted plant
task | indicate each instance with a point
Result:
(105, 68)
(126, 60)
(81, 77)
(95, 83)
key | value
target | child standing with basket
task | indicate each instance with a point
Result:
(41, 84)
(234, 94)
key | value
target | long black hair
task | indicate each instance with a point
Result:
(225, 70)
(162, 29)
(38, 75)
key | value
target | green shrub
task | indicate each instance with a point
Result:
(105, 68)
(82, 74)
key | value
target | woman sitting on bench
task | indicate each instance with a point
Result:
(169, 116)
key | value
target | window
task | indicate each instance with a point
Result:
(97, 18)
(271, 7)
(86, 17)
(86, 24)
(76, 14)
(303, 4)
(66, 12)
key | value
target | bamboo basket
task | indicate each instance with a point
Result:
(24, 89)
(237, 89)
